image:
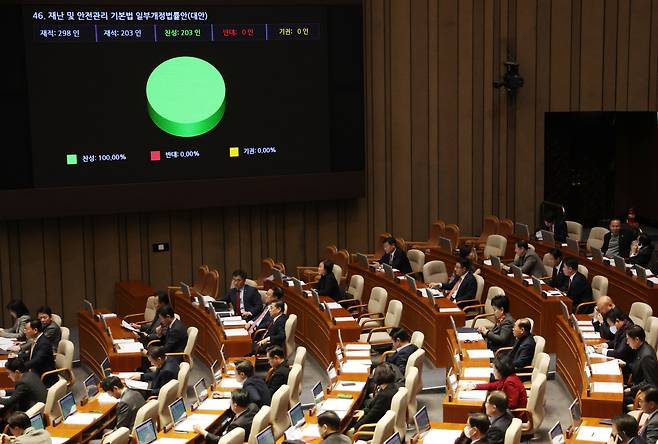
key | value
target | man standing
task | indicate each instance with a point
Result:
(129, 401)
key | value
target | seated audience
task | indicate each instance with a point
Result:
(50, 329)
(649, 406)
(263, 319)
(527, 259)
(644, 367)
(150, 331)
(39, 358)
(617, 242)
(129, 401)
(500, 334)
(624, 430)
(275, 334)
(507, 381)
(327, 285)
(21, 316)
(617, 347)
(641, 251)
(241, 415)
(329, 427)
(278, 374)
(165, 370)
(476, 430)
(496, 409)
(28, 388)
(254, 385)
(20, 426)
(557, 227)
(599, 318)
(403, 350)
(579, 289)
(462, 285)
(385, 389)
(558, 278)
(523, 350)
(394, 256)
(245, 299)
(173, 334)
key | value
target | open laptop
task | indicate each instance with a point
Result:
(597, 255)
(430, 297)
(276, 273)
(201, 390)
(332, 374)
(266, 436)
(67, 405)
(37, 422)
(462, 329)
(565, 311)
(555, 434)
(87, 306)
(495, 263)
(362, 260)
(393, 439)
(522, 230)
(145, 432)
(105, 365)
(536, 284)
(388, 271)
(178, 412)
(574, 409)
(318, 396)
(547, 236)
(411, 283)
(620, 263)
(516, 271)
(298, 285)
(422, 421)
(186, 290)
(445, 244)
(641, 273)
(316, 297)
(296, 415)
(572, 244)
(91, 385)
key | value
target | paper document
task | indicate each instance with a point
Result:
(653, 279)
(232, 318)
(337, 404)
(480, 354)
(230, 383)
(82, 418)
(137, 385)
(238, 323)
(170, 441)
(440, 435)
(105, 398)
(344, 318)
(126, 375)
(591, 335)
(354, 368)
(355, 386)
(581, 323)
(131, 347)
(450, 310)
(204, 420)
(208, 299)
(554, 293)
(108, 315)
(469, 337)
(230, 332)
(608, 387)
(215, 404)
(57, 440)
(357, 347)
(357, 354)
(123, 341)
(366, 362)
(472, 395)
(606, 368)
(528, 281)
(589, 433)
(487, 262)
(334, 305)
(586, 328)
(127, 326)
(310, 431)
(477, 372)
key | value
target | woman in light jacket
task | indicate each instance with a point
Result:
(21, 316)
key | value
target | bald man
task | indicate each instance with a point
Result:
(599, 318)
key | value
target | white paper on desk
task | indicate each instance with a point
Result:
(344, 318)
(310, 431)
(354, 368)
(366, 362)
(528, 281)
(3, 362)
(472, 395)
(127, 326)
(589, 433)
(554, 293)
(582, 323)
(123, 341)
(341, 413)
(480, 354)
(633, 271)
(230, 383)
(606, 368)
(653, 279)
(334, 305)
(215, 404)
(337, 404)
(591, 335)
(608, 387)
(208, 299)
(105, 398)
(238, 323)
(291, 284)
(477, 372)
(82, 418)
(126, 375)
(57, 440)
(469, 337)
(487, 262)
(170, 441)
(137, 385)
(450, 310)
(108, 315)
(586, 328)
(232, 318)
(204, 420)
(440, 435)
(357, 353)
(356, 387)
(357, 347)
(403, 277)
(130, 347)
(230, 332)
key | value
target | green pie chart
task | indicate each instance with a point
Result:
(186, 96)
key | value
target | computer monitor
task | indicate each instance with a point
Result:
(362, 260)
(67, 405)
(536, 284)
(201, 390)
(296, 415)
(331, 373)
(555, 434)
(105, 365)
(516, 271)
(565, 311)
(316, 297)
(177, 411)
(91, 385)
(277, 275)
(547, 236)
(317, 392)
(574, 409)
(620, 263)
(641, 273)
(411, 283)
(186, 290)
(145, 432)
(445, 244)
(495, 263)
(87, 306)
(422, 420)
(37, 421)
(266, 436)
(597, 254)
(388, 271)
(298, 285)
(572, 244)
(522, 231)
(393, 439)
(430, 297)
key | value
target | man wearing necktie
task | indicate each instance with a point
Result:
(245, 299)
(463, 285)
(649, 405)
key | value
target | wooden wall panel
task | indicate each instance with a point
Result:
(440, 142)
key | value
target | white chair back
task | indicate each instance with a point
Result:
(147, 411)
(595, 238)
(235, 436)
(412, 383)
(183, 378)
(640, 312)
(118, 436)
(513, 432)
(168, 394)
(279, 411)
(599, 287)
(399, 405)
(574, 230)
(295, 383)
(418, 338)
(435, 271)
(260, 423)
(55, 392)
(495, 246)
(356, 287)
(291, 329)
(416, 259)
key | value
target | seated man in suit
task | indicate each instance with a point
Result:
(20, 426)
(327, 285)
(241, 415)
(245, 299)
(500, 334)
(276, 330)
(165, 370)
(644, 367)
(617, 242)
(29, 388)
(523, 350)
(150, 331)
(50, 330)
(254, 385)
(39, 357)
(558, 279)
(129, 401)
(649, 406)
(385, 389)
(173, 334)
(527, 260)
(462, 285)
(263, 319)
(600, 317)
(278, 374)
(476, 430)
(557, 227)
(617, 347)
(579, 289)
(641, 251)
(394, 256)
(403, 350)
(329, 427)
(625, 430)
(500, 418)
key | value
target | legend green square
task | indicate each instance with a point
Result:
(71, 159)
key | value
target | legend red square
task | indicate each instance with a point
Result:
(155, 155)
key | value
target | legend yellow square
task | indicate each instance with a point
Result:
(234, 151)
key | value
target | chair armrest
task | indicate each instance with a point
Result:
(358, 435)
(530, 425)
(482, 316)
(343, 301)
(258, 332)
(67, 371)
(357, 306)
(503, 349)
(153, 342)
(373, 316)
(134, 315)
(150, 398)
(584, 304)
(184, 355)
(387, 353)
(376, 329)
(473, 307)
(464, 301)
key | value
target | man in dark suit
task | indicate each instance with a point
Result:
(527, 260)
(375, 408)
(173, 334)
(29, 388)
(276, 330)
(500, 335)
(327, 285)
(50, 329)
(641, 251)
(579, 289)
(649, 405)
(477, 427)
(241, 415)
(644, 368)
(403, 349)
(245, 299)
(617, 242)
(166, 369)
(329, 427)
(278, 374)
(254, 385)
(523, 350)
(558, 279)
(625, 430)
(394, 256)
(557, 227)
(264, 319)
(499, 417)
(129, 401)
(462, 285)
(150, 331)
(39, 358)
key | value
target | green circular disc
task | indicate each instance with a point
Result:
(186, 96)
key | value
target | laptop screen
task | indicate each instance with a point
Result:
(555, 432)
(91, 384)
(201, 390)
(186, 290)
(422, 420)
(411, 282)
(37, 422)
(67, 404)
(177, 410)
(574, 408)
(107, 371)
(266, 436)
(296, 414)
(362, 259)
(394, 439)
(146, 432)
(317, 392)
(565, 311)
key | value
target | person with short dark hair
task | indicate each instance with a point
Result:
(617, 347)
(527, 259)
(644, 368)
(50, 329)
(327, 285)
(275, 333)
(617, 241)
(20, 426)
(329, 427)
(403, 349)
(579, 290)
(28, 387)
(21, 315)
(39, 358)
(557, 226)
(385, 389)
(254, 385)
(129, 401)
(558, 279)
(263, 319)
(242, 414)
(245, 299)
(166, 369)
(500, 418)
(278, 374)
(624, 430)
(641, 251)
(462, 285)
(523, 350)
(500, 335)
(150, 331)
(507, 381)
(476, 430)
(173, 334)
(394, 256)
(469, 252)
(649, 406)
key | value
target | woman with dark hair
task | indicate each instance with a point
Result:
(507, 381)
(375, 408)
(327, 285)
(617, 347)
(641, 251)
(21, 316)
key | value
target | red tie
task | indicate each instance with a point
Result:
(237, 306)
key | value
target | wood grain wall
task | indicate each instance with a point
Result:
(440, 142)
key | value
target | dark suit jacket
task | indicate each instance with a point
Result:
(277, 331)
(400, 261)
(467, 290)
(52, 332)
(253, 302)
(560, 230)
(328, 286)
(161, 376)
(643, 256)
(559, 280)
(617, 347)
(243, 421)
(174, 339)
(650, 432)
(603, 328)
(259, 394)
(129, 403)
(523, 351)
(498, 427)
(42, 359)
(580, 291)
(530, 264)
(336, 438)
(278, 378)
(644, 368)
(29, 390)
(378, 406)
(625, 239)
(500, 334)
(400, 358)
(462, 439)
